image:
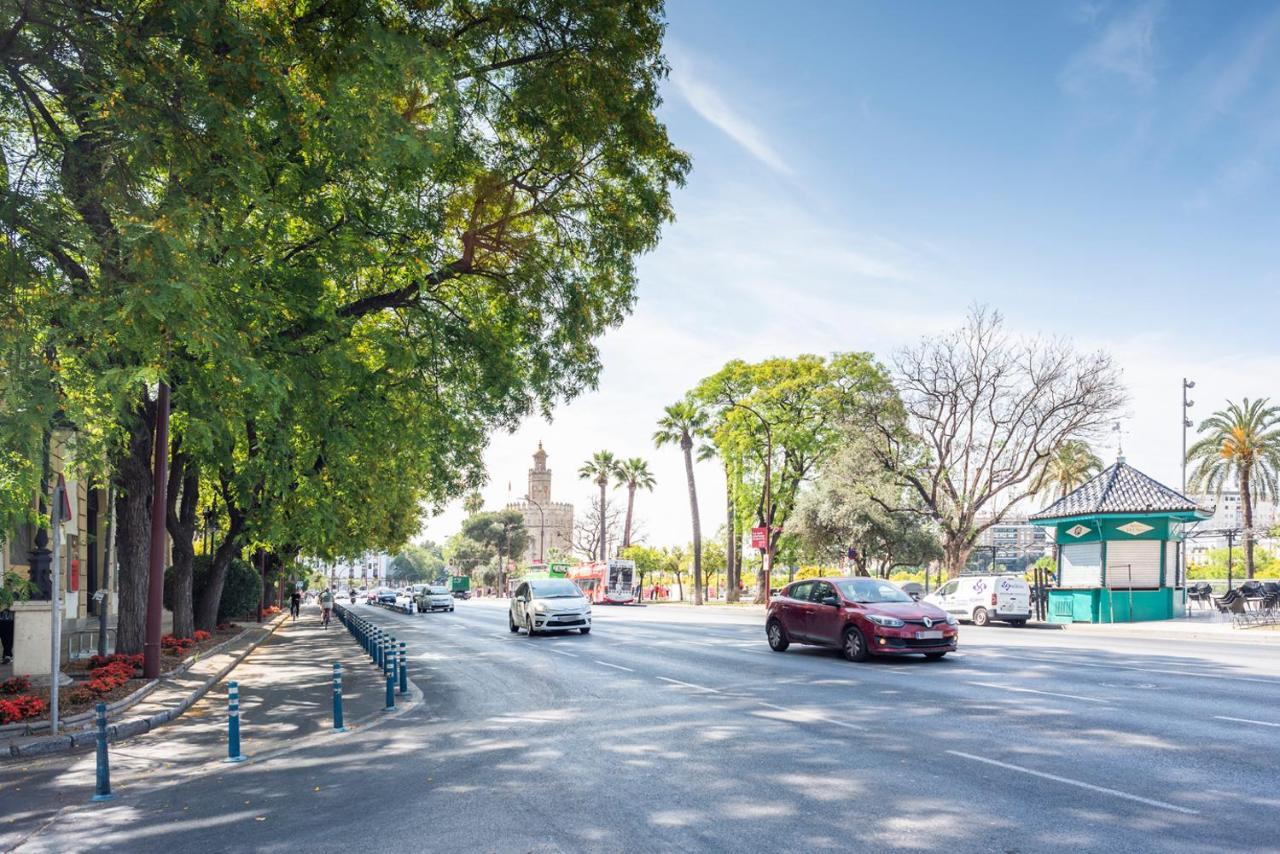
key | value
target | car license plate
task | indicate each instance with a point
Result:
(928, 635)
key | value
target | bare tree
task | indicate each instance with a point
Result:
(587, 528)
(981, 414)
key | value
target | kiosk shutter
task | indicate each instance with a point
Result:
(1082, 565)
(1133, 564)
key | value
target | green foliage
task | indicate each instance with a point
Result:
(240, 594)
(418, 563)
(14, 587)
(1214, 564)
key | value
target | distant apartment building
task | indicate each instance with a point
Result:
(1228, 515)
(1014, 533)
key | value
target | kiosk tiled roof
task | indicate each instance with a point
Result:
(1120, 488)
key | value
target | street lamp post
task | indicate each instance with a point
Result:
(767, 556)
(1187, 385)
(542, 528)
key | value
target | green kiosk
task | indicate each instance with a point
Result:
(1117, 542)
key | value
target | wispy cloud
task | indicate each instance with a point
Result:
(1124, 48)
(708, 102)
(1240, 72)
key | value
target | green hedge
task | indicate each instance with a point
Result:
(240, 592)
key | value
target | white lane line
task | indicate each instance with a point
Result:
(1139, 669)
(1034, 691)
(614, 666)
(560, 652)
(1079, 783)
(689, 685)
(813, 718)
(1245, 721)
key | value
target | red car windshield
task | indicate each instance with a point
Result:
(870, 590)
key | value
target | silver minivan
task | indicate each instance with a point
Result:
(549, 604)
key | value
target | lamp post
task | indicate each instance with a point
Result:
(542, 528)
(766, 557)
(1186, 423)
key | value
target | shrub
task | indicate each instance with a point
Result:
(134, 661)
(20, 708)
(80, 695)
(241, 590)
(16, 685)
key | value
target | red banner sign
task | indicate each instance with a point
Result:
(759, 538)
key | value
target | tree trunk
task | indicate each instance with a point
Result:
(132, 477)
(680, 586)
(1247, 501)
(206, 606)
(603, 518)
(631, 501)
(730, 550)
(180, 521)
(686, 445)
(955, 554)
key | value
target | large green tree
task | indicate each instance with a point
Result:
(285, 207)
(503, 533)
(781, 419)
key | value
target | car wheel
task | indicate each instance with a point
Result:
(934, 654)
(778, 641)
(586, 630)
(855, 645)
(530, 626)
(981, 617)
(511, 624)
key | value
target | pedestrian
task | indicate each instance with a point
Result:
(6, 635)
(295, 603)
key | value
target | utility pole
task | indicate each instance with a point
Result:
(159, 505)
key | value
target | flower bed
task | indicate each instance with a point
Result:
(20, 708)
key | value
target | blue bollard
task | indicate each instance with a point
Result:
(389, 658)
(102, 791)
(404, 679)
(233, 722)
(337, 698)
(391, 694)
(378, 650)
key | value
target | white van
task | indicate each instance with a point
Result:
(983, 598)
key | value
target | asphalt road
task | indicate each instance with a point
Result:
(656, 733)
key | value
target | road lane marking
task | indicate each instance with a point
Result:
(812, 717)
(1191, 673)
(1034, 691)
(1245, 721)
(614, 666)
(689, 685)
(1079, 783)
(561, 652)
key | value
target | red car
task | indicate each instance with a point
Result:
(861, 616)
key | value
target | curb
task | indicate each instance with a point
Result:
(1257, 639)
(136, 726)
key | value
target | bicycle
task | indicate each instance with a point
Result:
(324, 617)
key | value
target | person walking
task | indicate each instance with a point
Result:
(295, 603)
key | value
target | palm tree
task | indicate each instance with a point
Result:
(634, 474)
(678, 425)
(1243, 444)
(600, 468)
(1070, 468)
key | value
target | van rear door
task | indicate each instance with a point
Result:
(1013, 597)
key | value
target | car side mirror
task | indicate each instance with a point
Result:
(830, 600)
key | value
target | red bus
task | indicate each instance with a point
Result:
(611, 583)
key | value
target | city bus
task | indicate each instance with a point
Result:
(611, 583)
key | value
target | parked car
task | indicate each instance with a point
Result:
(433, 597)
(860, 616)
(983, 598)
(549, 604)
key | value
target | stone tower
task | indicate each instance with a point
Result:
(540, 477)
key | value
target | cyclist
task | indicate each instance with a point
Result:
(295, 603)
(326, 604)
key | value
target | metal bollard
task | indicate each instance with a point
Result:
(102, 791)
(337, 698)
(389, 658)
(391, 694)
(233, 722)
(378, 650)
(404, 679)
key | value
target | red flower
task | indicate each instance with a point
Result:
(16, 685)
(20, 708)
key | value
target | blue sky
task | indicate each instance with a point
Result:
(864, 172)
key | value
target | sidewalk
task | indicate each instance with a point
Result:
(286, 690)
(1204, 627)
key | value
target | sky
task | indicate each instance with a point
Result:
(864, 173)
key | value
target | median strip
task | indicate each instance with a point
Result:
(1151, 802)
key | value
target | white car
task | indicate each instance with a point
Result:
(549, 604)
(983, 598)
(433, 597)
